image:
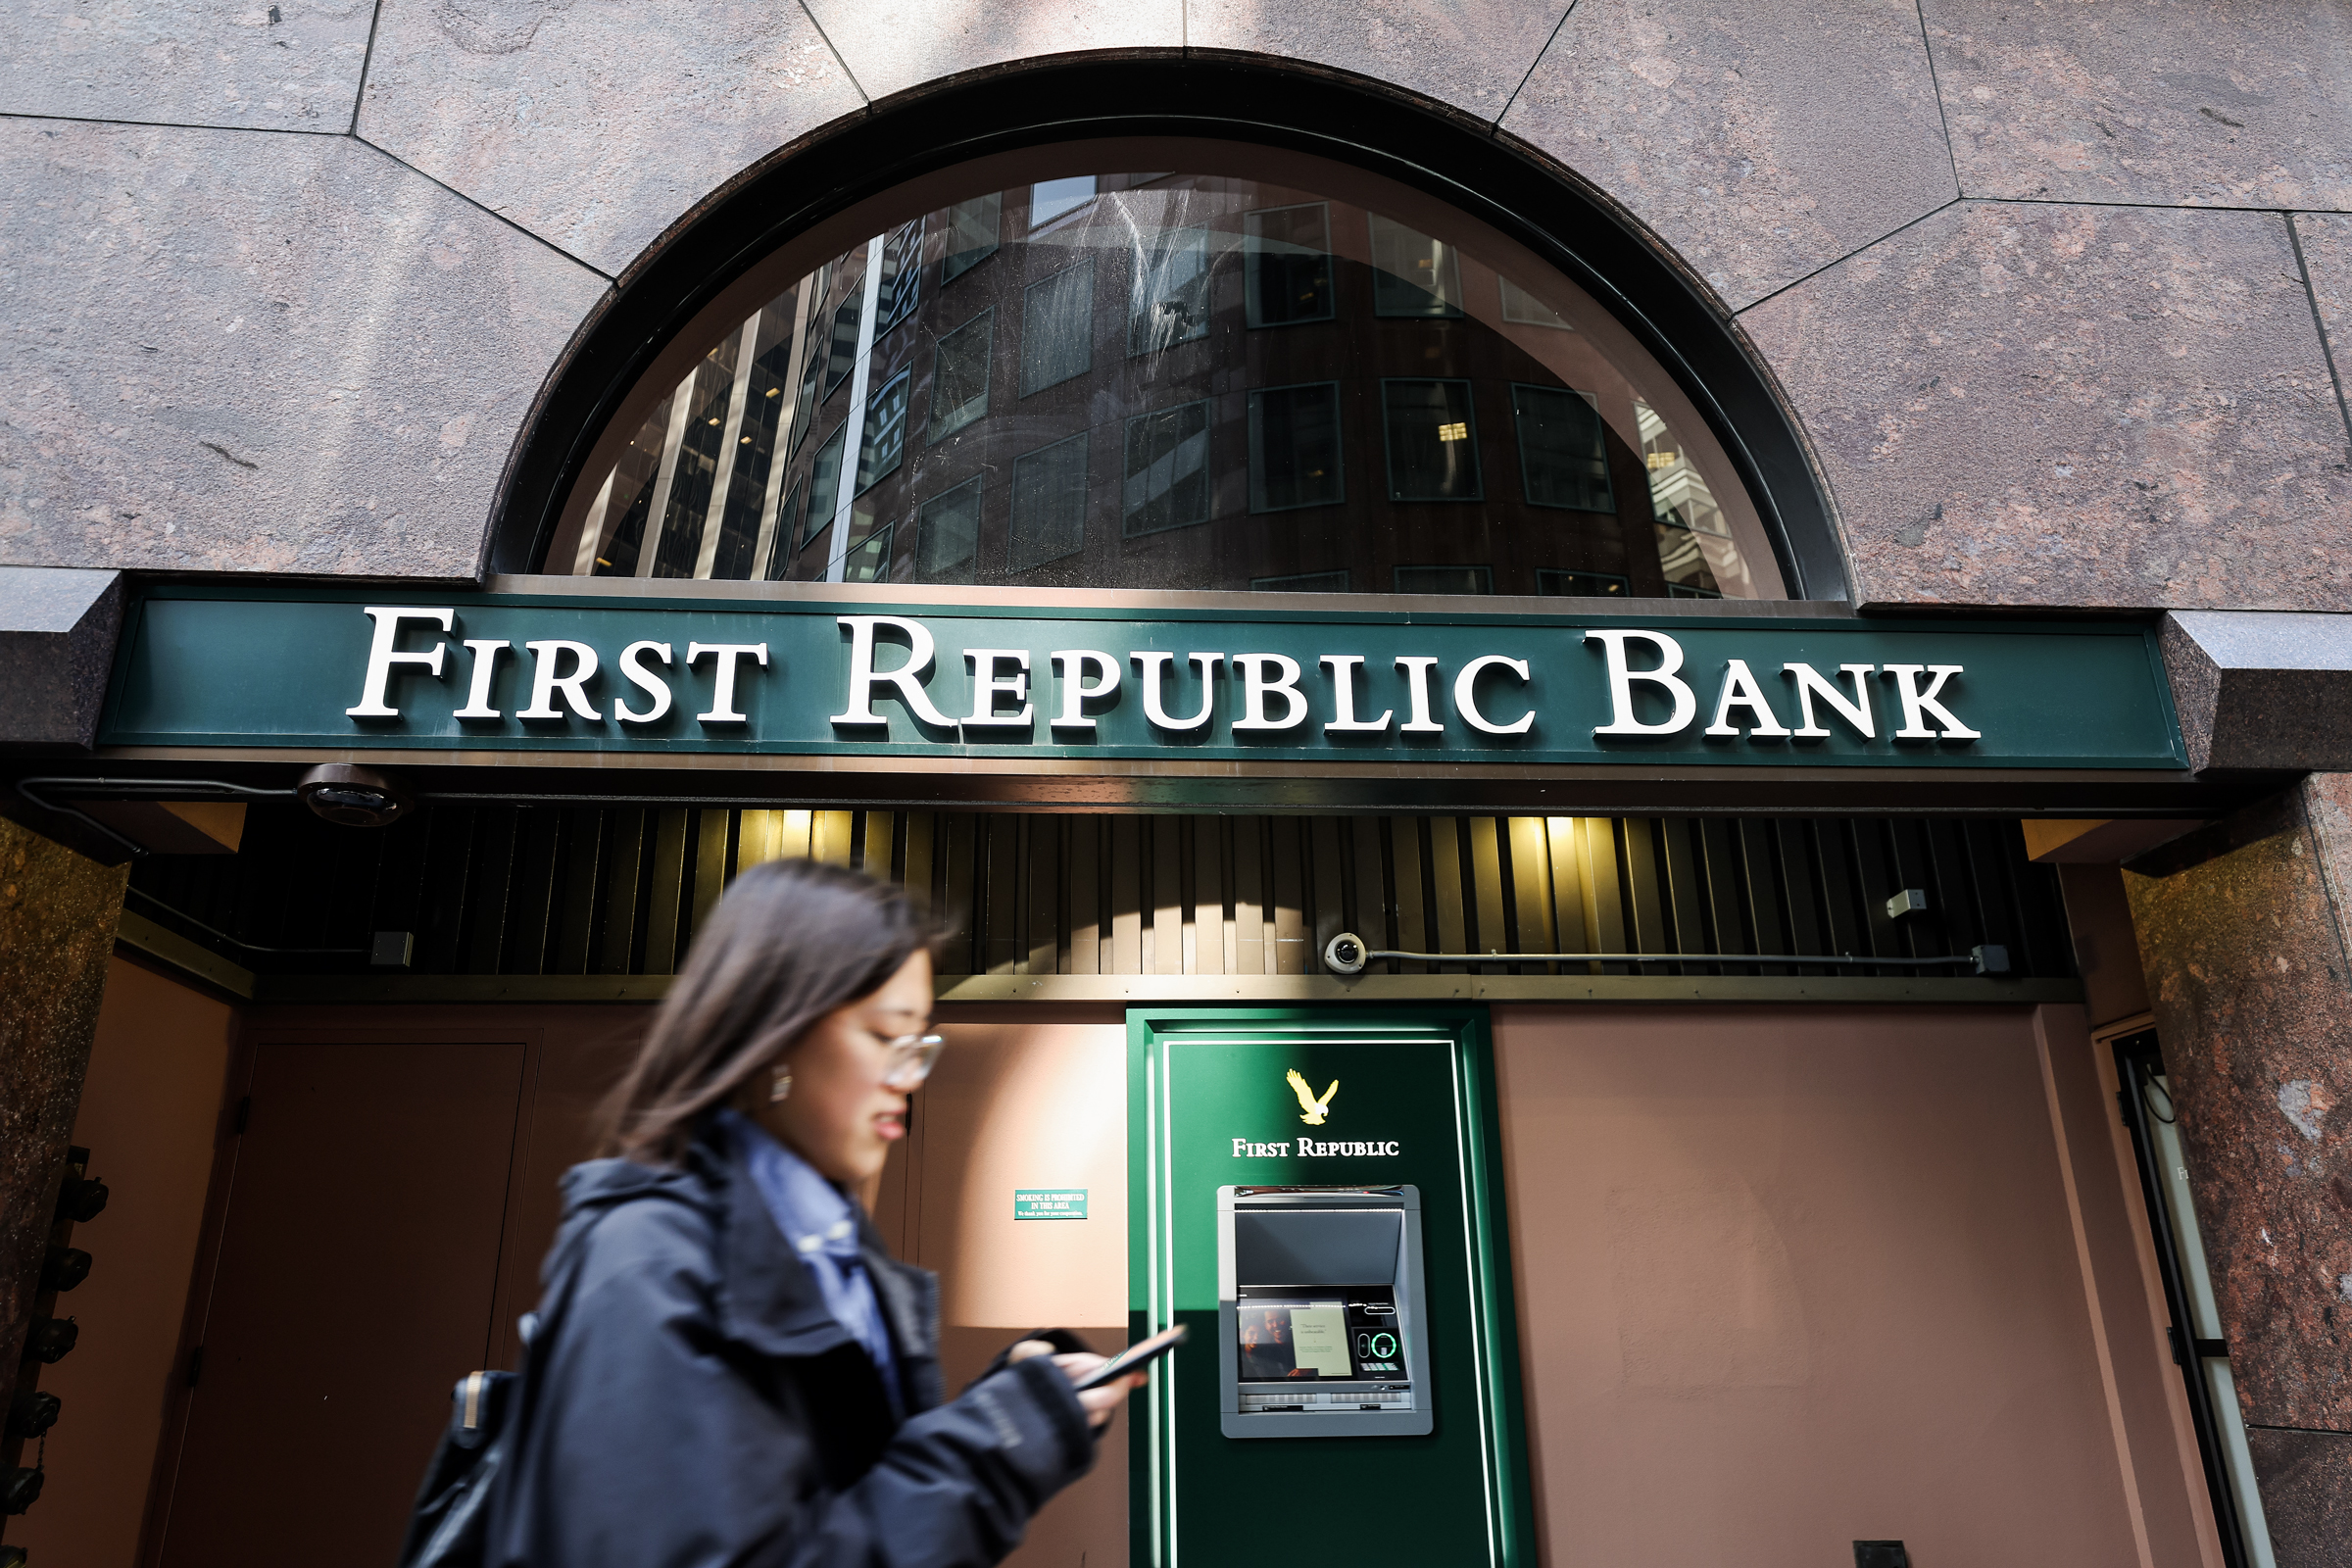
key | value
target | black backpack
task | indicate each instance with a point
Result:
(449, 1526)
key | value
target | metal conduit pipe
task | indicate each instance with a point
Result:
(1346, 953)
(139, 788)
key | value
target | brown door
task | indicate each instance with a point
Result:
(358, 1263)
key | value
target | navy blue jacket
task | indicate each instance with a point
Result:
(697, 1405)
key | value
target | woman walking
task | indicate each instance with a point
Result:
(738, 1373)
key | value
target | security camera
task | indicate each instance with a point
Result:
(353, 797)
(1344, 954)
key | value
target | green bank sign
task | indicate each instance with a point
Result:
(560, 673)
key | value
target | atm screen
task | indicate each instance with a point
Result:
(1319, 1333)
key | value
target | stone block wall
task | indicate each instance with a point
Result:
(57, 914)
(2241, 932)
(2057, 293)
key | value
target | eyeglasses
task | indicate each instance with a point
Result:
(911, 1060)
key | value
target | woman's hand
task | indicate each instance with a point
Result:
(1099, 1402)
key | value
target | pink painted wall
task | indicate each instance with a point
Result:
(1788, 1278)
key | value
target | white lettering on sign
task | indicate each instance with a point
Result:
(906, 680)
(1465, 695)
(548, 678)
(1155, 666)
(1416, 675)
(1653, 690)
(1622, 676)
(1918, 705)
(1742, 694)
(485, 652)
(1810, 684)
(1342, 668)
(1317, 1148)
(989, 683)
(382, 655)
(632, 666)
(1076, 690)
(1257, 685)
(1740, 691)
(723, 694)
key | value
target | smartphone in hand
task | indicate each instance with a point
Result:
(1135, 1358)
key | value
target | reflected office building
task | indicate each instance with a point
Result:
(1306, 381)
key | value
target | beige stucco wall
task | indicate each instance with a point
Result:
(2046, 286)
(1795, 1277)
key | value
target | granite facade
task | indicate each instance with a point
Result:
(2031, 404)
(564, 119)
(241, 352)
(2241, 932)
(57, 914)
(2240, 105)
(1706, 122)
(895, 46)
(2261, 690)
(2306, 1502)
(2020, 394)
(290, 66)
(57, 647)
(1470, 57)
(2323, 242)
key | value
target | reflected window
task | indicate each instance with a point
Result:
(788, 523)
(1288, 269)
(1167, 470)
(1158, 442)
(747, 515)
(1049, 198)
(1412, 275)
(947, 535)
(884, 439)
(868, 558)
(841, 355)
(959, 367)
(1563, 451)
(1561, 584)
(1295, 448)
(1526, 310)
(1444, 579)
(804, 398)
(1049, 503)
(824, 487)
(973, 227)
(1302, 582)
(683, 494)
(1433, 440)
(620, 510)
(1695, 548)
(1170, 305)
(1058, 328)
(902, 276)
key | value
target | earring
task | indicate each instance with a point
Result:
(781, 1089)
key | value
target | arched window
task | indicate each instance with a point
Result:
(1167, 363)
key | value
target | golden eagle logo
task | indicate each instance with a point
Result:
(1317, 1109)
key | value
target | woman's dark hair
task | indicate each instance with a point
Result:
(790, 942)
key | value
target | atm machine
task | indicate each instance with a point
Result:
(1320, 1312)
(1317, 1195)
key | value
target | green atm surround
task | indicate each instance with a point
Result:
(1415, 1104)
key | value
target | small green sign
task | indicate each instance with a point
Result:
(1049, 1203)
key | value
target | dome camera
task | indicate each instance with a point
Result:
(353, 797)
(1344, 954)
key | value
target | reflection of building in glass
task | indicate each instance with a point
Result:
(1696, 550)
(1173, 381)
